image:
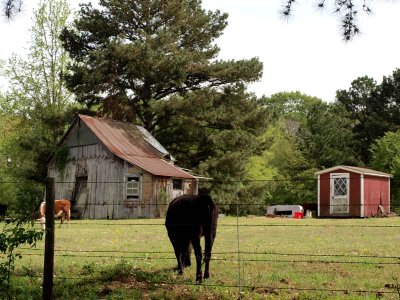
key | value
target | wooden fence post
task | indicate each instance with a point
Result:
(49, 242)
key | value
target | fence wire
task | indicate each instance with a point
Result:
(220, 253)
(224, 259)
(240, 256)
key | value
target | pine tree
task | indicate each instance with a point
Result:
(131, 55)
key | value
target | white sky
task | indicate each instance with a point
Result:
(305, 54)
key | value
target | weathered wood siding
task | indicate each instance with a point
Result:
(143, 208)
(105, 182)
(96, 180)
(105, 196)
(162, 193)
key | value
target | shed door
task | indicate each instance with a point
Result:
(340, 185)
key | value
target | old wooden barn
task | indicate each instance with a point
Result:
(116, 170)
(346, 191)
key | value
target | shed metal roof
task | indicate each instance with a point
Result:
(358, 170)
(135, 145)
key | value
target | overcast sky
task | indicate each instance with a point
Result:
(306, 53)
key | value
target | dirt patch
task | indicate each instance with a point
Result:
(267, 291)
(123, 283)
(155, 291)
(129, 282)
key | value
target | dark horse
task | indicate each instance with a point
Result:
(190, 217)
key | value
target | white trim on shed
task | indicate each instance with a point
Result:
(358, 170)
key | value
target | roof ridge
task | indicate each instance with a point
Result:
(360, 170)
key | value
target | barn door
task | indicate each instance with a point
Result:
(80, 183)
(79, 197)
(340, 185)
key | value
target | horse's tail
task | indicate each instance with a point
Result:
(68, 212)
(42, 209)
(212, 211)
(211, 218)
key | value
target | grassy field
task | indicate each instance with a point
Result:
(277, 259)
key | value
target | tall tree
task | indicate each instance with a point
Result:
(214, 133)
(292, 106)
(131, 55)
(373, 107)
(385, 156)
(390, 90)
(7, 134)
(37, 95)
(32, 115)
(326, 138)
(284, 171)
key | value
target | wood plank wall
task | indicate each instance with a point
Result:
(105, 196)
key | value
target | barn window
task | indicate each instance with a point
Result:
(177, 184)
(133, 187)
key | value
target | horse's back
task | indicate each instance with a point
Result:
(187, 209)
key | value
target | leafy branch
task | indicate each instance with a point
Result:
(11, 238)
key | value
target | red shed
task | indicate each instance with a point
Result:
(345, 191)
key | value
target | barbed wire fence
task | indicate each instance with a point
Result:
(50, 252)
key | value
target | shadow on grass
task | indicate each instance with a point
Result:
(124, 280)
(124, 272)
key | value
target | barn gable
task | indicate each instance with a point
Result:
(117, 170)
(79, 135)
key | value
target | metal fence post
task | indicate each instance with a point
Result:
(49, 241)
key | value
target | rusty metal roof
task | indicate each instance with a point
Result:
(135, 145)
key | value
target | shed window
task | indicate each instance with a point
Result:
(340, 186)
(133, 187)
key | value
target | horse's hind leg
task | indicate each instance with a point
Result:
(188, 254)
(62, 220)
(207, 255)
(180, 248)
(184, 246)
(197, 253)
(177, 255)
(68, 216)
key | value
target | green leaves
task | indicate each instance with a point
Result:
(374, 109)
(12, 237)
(214, 133)
(37, 97)
(385, 156)
(327, 138)
(386, 153)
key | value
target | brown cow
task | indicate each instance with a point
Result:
(62, 208)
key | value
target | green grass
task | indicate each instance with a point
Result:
(279, 259)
